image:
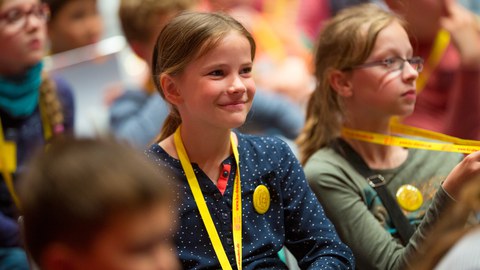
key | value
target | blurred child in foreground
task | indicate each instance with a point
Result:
(98, 205)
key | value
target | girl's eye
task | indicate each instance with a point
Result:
(216, 73)
(389, 62)
(246, 70)
(14, 15)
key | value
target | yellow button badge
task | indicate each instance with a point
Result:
(409, 197)
(261, 199)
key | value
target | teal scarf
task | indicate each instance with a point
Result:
(19, 97)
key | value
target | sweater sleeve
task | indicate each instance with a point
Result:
(137, 117)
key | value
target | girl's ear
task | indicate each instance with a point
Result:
(170, 89)
(340, 82)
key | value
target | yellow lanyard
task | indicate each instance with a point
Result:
(203, 209)
(399, 128)
(8, 155)
(447, 146)
(8, 160)
(440, 45)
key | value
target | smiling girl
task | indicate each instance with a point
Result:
(242, 197)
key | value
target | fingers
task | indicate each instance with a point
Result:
(464, 173)
(463, 27)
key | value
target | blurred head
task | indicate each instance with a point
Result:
(201, 33)
(346, 41)
(22, 35)
(97, 204)
(142, 21)
(73, 24)
(226, 5)
(423, 25)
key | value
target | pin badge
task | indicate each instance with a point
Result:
(261, 199)
(409, 198)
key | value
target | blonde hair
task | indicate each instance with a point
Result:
(346, 40)
(185, 38)
(140, 19)
(50, 103)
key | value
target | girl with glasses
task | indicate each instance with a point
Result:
(33, 109)
(366, 73)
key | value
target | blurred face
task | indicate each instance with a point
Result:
(22, 35)
(229, 4)
(145, 49)
(77, 24)
(381, 91)
(423, 24)
(138, 240)
(217, 89)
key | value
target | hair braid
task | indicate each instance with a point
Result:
(50, 102)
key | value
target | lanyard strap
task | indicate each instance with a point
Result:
(7, 176)
(440, 45)
(399, 128)
(10, 148)
(407, 142)
(203, 209)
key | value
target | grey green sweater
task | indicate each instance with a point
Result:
(358, 214)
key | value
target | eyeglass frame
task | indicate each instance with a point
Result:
(385, 63)
(43, 7)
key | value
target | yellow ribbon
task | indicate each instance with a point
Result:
(8, 160)
(407, 142)
(8, 154)
(440, 45)
(203, 209)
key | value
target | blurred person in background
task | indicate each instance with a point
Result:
(73, 24)
(34, 108)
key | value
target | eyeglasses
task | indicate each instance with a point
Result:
(16, 18)
(394, 63)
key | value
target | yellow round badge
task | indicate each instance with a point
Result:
(409, 197)
(261, 199)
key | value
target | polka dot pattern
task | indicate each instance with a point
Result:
(295, 218)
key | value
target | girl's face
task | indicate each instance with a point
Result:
(22, 35)
(217, 89)
(380, 91)
(77, 24)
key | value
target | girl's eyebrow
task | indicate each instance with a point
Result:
(392, 50)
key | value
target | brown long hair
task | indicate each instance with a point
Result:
(346, 40)
(185, 38)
